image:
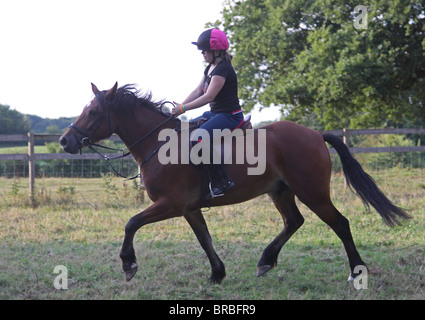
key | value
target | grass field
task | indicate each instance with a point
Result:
(23, 149)
(79, 223)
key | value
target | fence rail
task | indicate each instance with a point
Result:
(31, 156)
(346, 133)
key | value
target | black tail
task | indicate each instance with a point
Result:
(364, 185)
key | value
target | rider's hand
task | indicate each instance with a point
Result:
(177, 109)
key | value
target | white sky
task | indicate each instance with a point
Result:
(51, 50)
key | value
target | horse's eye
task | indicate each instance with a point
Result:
(92, 112)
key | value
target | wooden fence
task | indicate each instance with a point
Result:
(346, 133)
(31, 156)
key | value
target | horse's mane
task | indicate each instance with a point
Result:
(128, 98)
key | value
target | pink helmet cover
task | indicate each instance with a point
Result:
(218, 40)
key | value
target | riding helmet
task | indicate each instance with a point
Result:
(212, 39)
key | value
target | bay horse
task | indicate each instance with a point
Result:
(298, 165)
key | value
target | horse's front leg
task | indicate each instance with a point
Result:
(197, 222)
(160, 210)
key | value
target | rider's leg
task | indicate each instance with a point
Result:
(220, 180)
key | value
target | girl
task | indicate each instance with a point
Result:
(219, 88)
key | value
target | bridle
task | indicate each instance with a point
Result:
(86, 141)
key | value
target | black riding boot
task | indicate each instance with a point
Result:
(219, 181)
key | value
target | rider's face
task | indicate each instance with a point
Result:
(208, 56)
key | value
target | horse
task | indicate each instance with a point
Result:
(297, 164)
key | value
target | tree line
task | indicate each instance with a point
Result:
(14, 122)
(331, 64)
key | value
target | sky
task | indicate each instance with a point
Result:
(50, 51)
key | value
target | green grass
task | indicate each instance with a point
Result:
(23, 149)
(80, 223)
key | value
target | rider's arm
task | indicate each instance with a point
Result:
(216, 84)
(195, 93)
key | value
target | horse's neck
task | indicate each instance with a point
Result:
(135, 133)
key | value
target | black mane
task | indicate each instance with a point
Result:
(128, 98)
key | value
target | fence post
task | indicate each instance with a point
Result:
(31, 163)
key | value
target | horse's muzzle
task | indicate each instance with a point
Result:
(69, 143)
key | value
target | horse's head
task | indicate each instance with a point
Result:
(95, 122)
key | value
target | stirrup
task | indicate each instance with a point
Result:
(212, 194)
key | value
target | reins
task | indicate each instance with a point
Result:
(86, 142)
(108, 159)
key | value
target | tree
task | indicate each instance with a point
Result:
(12, 122)
(43, 125)
(308, 57)
(53, 129)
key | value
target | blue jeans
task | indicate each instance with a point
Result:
(221, 121)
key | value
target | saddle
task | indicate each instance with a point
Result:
(195, 124)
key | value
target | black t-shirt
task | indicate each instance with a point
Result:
(227, 99)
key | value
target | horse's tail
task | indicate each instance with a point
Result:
(364, 185)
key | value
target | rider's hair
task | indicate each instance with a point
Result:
(226, 56)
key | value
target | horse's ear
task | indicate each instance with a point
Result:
(94, 89)
(110, 94)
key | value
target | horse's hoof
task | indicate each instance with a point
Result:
(262, 270)
(216, 279)
(129, 274)
(263, 267)
(353, 276)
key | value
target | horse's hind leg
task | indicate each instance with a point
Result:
(284, 200)
(340, 225)
(197, 222)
